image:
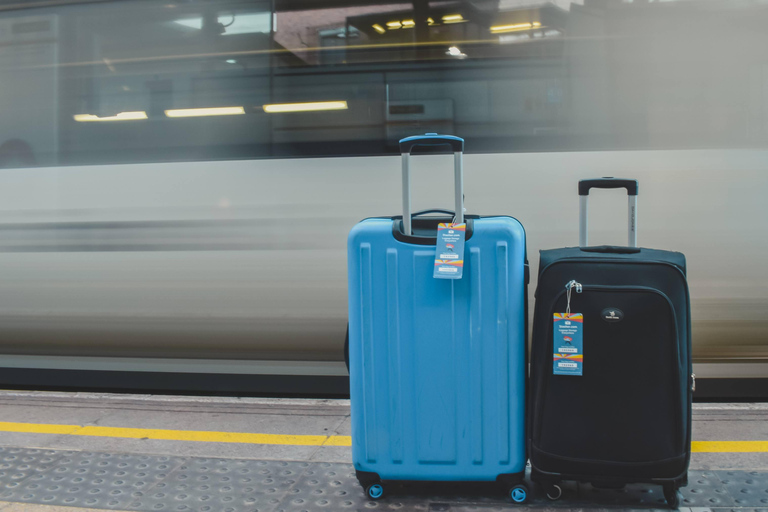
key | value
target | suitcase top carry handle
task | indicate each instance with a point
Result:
(432, 139)
(630, 185)
(431, 211)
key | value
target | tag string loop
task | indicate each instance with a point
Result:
(568, 289)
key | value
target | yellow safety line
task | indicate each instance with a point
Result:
(338, 441)
(203, 436)
(38, 428)
(729, 446)
(177, 435)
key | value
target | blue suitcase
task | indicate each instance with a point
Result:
(437, 366)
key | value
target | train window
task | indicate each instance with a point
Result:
(128, 82)
(146, 81)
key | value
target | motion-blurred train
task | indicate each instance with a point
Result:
(178, 177)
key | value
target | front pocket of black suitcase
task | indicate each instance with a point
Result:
(625, 408)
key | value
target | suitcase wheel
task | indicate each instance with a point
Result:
(554, 492)
(375, 491)
(671, 495)
(518, 493)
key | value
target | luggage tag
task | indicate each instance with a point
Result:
(568, 342)
(449, 253)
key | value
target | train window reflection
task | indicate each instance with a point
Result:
(141, 81)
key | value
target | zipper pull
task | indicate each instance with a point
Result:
(569, 288)
(573, 284)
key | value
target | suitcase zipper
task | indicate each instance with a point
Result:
(600, 261)
(597, 287)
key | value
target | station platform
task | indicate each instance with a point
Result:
(62, 452)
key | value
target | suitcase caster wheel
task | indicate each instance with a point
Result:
(375, 491)
(672, 497)
(518, 494)
(554, 492)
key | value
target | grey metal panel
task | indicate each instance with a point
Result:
(278, 288)
(136, 364)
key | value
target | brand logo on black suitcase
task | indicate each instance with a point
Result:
(612, 315)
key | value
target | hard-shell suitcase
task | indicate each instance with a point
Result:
(627, 417)
(437, 366)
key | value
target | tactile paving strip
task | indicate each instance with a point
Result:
(191, 484)
(748, 488)
(705, 489)
(93, 480)
(19, 464)
(224, 485)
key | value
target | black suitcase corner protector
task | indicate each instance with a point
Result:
(367, 478)
(510, 479)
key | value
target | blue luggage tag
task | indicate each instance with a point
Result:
(449, 253)
(568, 344)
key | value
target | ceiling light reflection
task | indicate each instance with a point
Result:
(500, 29)
(305, 107)
(122, 116)
(201, 112)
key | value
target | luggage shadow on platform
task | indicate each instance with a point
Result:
(710, 489)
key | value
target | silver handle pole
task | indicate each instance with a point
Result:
(583, 224)
(406, 194)
(458, 185)
(632, 221)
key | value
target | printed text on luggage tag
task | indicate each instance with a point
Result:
(568, 344)
(449, 253)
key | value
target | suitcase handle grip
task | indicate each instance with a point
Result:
(608, 182)
(611, 249)
(586, 185)
(433, 210)
(432, 139)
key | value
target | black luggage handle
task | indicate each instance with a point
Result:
(611, 249)
(608, 182)
(434, 210)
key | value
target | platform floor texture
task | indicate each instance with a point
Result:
(165, 453)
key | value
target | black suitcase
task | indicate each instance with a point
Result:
(627, 417)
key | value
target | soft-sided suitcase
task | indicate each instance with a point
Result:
(437, 366)
(627, 417)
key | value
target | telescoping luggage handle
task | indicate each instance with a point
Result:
(586, 185)
(432, 139)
